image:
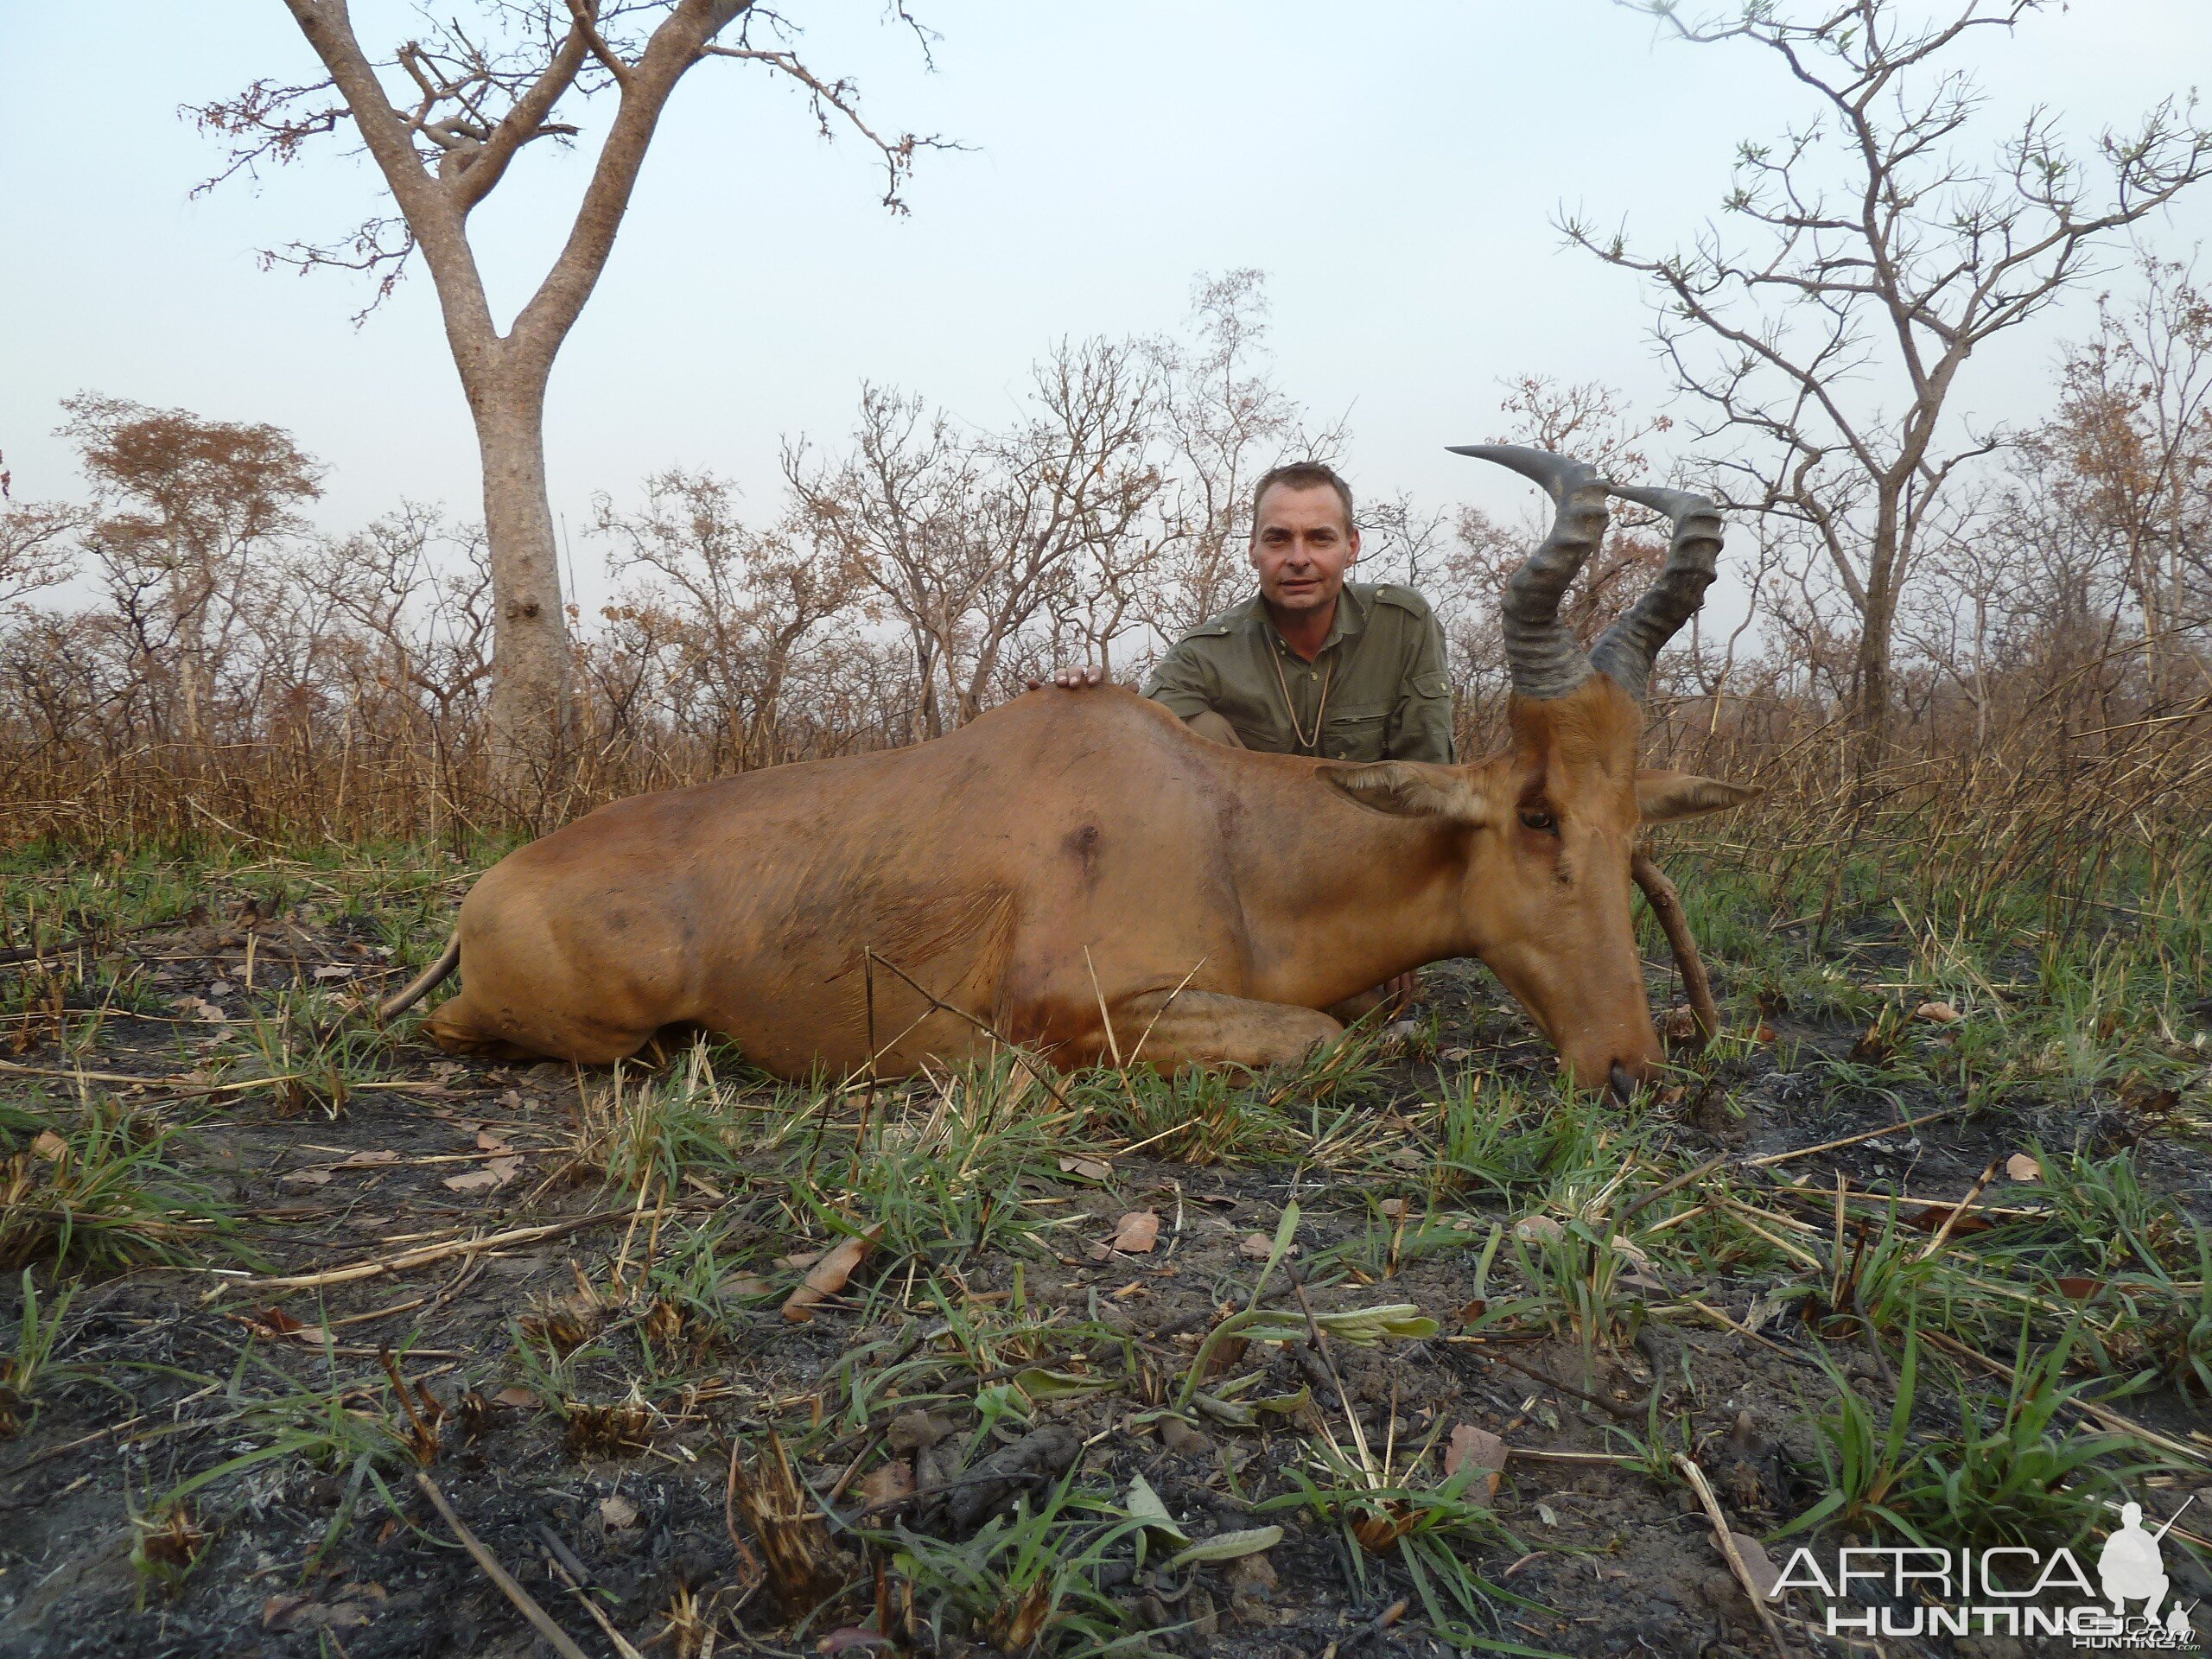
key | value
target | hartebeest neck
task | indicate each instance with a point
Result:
(1338, 897)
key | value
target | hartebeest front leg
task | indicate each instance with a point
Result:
(1173, 1028)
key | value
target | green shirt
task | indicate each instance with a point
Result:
(1377, 690)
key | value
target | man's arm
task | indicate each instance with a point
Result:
(1181, 683)
(1420, 724)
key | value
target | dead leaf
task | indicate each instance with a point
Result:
(334, 970)
(1393, 1209)
(1681, 1025)
(1137, 1232)
(1485, 1452)
(366, 1159)
(1764, 1034)
(617, 1512)
(2080, 1290)
(887, 1484)
(2021, 1167)
(847, 1638)
(495, 1174)
(1532, 1230)
(1762, 1571)
(1091, 1169)
(830, 1275)
(492, 1141)
(1937, 1014)
(300, 1613)
(744, 1284)
(798, 1259)
(318, 1177)
(50, 1146)
(514, 1395)
(1258, 1247)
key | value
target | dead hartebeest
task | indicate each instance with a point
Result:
(1079, 873)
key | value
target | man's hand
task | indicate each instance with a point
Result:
(1074, 679)
(1398, 994)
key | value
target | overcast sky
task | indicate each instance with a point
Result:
(1395, 168)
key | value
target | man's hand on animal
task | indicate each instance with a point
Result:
(1089, 877)
(1073, 679)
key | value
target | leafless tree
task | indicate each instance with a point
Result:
(1878, 260)
(444, 117)
(730, 610)
(35, 548)
(970, 538)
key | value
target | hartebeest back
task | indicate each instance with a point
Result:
(1078, 872)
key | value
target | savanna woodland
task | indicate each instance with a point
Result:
(317, 1341)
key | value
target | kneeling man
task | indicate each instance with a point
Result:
(1312, 663)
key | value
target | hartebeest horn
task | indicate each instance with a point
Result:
(1542, 654)
(1627, 650)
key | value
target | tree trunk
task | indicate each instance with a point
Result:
(532, 669)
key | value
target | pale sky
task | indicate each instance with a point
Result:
(1393, 169)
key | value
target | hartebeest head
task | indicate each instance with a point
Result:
(1552, 821)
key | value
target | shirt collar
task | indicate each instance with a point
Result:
(1350, 620)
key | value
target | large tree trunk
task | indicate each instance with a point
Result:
(532, 669)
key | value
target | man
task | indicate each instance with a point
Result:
(1312, 663)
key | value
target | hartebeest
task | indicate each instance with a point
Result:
(1078, 872)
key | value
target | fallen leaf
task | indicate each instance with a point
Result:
(1531, 1229)
(744, 1284)
(617, 1512)
(366, 1160)
(1681, 1024)
(1258, 1247)
(887, 1484)
(497, 1173)
(318, 1177)
(830, 1275)
(1091, 1169)
(2080, 1290)
(1937, 1014)
(334, 971)
(849, 1637)
(299, 1613)
(798, 1259)
(2021, 1167)
(1764, 1034)
(1763, 1574)
(1393, 1209)
(50, 1146)
(1477, 1448)
(1138, 1231)
(492, 1141)
(1548, 1514)
(514, 1395)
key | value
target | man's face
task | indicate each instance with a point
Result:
(1302, 544)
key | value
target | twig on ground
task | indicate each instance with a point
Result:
(525, 1603)
(1726, 1539)
(1773, 1157)
(1957, 1210)
(423, 1257)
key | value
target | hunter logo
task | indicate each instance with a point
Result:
(2007, 1591)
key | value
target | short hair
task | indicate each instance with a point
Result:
(1301, 475)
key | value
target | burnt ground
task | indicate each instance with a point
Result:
(570, 1314)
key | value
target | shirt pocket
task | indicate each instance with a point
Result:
(1436, 684)
(1355, 734)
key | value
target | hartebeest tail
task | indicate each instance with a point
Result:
(423, 983)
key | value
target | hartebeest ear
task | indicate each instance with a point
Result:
(1405, 790)
(1663, 796)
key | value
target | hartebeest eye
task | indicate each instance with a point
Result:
(1543, 823)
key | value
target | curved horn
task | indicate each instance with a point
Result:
(1627, 650)
(1545, 660)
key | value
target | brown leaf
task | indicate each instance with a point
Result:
(1471, 1445)
(744, 1284)
(1137, 1233)
(1763, 1574)
(2080, 1290)
(893, 1481)
(798, 1259)
(50, 1146)
(366, 1160)
(494, 1174)
(2021, 1167)
(1258, 1247)
(305, 1178)
(1937, 1014)
(1533, 1230)
(299, 1613)
(1764, 1034)
(1681, 1024)
(492, 1141)
(831, 1273)
(1393, 1209)
(1091, 1169)
(514, 1395)
(617, 1512)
